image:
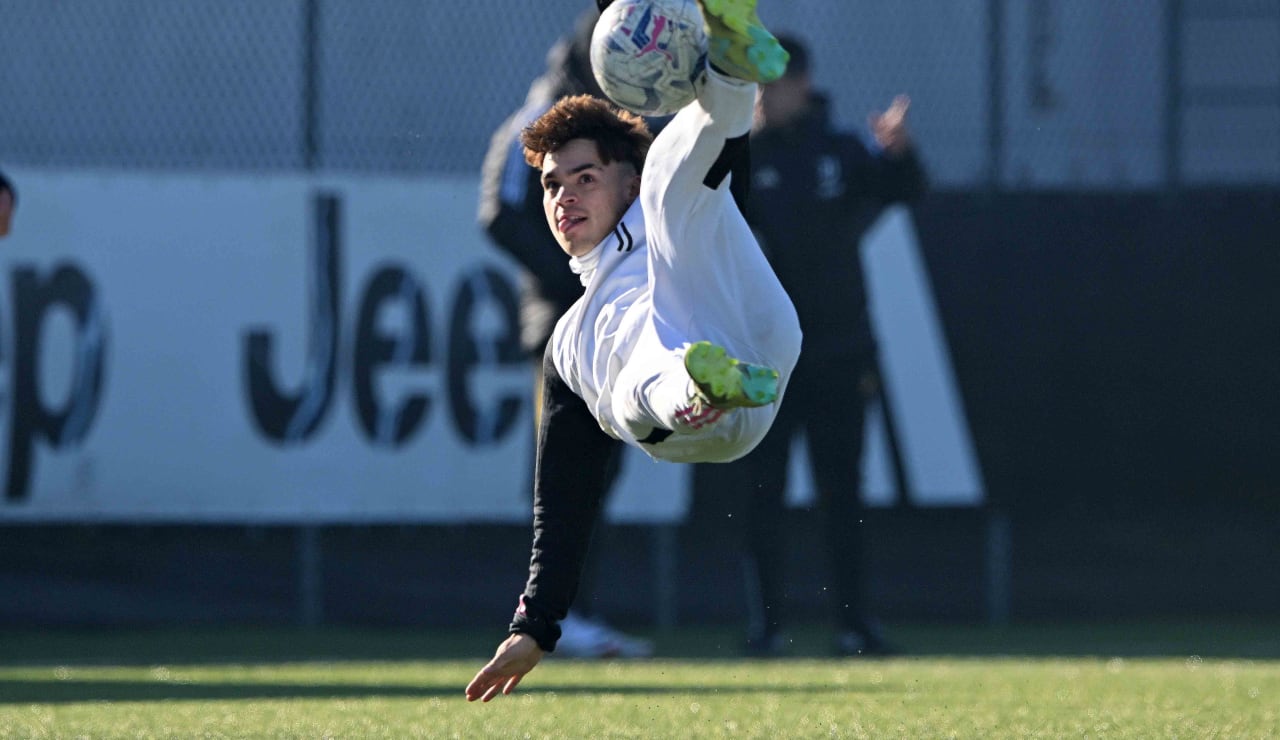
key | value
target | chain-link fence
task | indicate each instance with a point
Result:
(1007, 93)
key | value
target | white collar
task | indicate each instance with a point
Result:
(585, 266)
(626, 234)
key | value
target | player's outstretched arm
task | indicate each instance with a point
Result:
(516, 656)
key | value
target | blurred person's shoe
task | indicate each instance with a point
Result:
(863, 643)
(581, 637)
(625, 646)
(772, 645)
(739, 44)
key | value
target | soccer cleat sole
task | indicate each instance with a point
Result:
(729, 383)
(739, 44)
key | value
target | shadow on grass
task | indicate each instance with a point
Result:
(1224, 639)
(222, 646)
(71, 691)
(1257, 640)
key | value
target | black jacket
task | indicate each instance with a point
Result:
(814, 192)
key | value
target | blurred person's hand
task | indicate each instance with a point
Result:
(890, 127)
(516, 656)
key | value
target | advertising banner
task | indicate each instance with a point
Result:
(267, 349)
(324, 349)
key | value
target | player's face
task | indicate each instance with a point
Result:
(583, 197)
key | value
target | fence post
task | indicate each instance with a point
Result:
(1173, 95)
(310, 84)
(998, 564)
(310, 582)
(995, 99)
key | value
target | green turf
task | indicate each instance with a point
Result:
(1135, 680)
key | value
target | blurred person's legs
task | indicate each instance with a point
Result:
(762, 478)
(835, 425)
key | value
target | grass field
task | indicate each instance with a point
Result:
(1128, 680)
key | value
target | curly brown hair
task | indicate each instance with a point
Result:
(619, 136)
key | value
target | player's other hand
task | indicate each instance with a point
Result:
(890, 127)
(516, 656)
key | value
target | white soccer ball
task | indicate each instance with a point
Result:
(648, 55)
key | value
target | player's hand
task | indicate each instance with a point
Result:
(890, 127)
(516, 656)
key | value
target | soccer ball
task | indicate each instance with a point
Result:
(648, 55)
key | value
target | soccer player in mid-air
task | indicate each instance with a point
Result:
(683, 340)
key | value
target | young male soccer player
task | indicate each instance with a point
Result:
(683, 340)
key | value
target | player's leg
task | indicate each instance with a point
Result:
(709, 278)
(715, 296)
(707, 268)
(709, 281)
(691, 157)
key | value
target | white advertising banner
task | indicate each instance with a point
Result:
(294, 349)
(267, 349)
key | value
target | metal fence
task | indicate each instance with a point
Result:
(1091, 94)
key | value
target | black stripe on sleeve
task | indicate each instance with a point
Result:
(733, 150)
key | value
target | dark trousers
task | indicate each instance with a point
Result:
(826, 402)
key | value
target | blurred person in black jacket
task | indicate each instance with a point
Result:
(814, 191)
(512, 215)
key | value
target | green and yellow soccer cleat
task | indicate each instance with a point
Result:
(728, 383)
(739, 44)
